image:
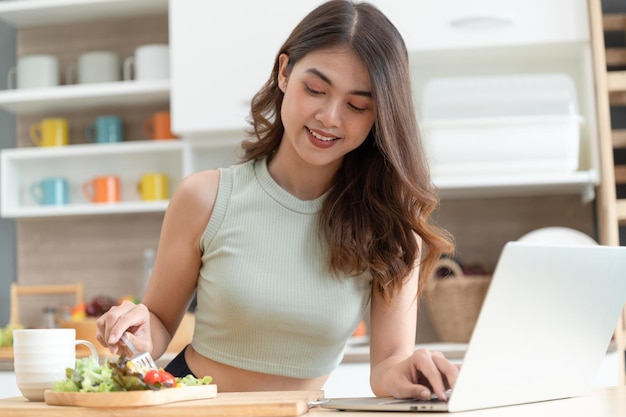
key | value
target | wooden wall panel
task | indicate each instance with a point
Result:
(482, 226)
(105, 252)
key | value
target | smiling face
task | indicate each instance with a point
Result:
(327, 109)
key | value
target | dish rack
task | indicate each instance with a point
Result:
(501, 124)
(6, 353)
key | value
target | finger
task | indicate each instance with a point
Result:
(449, 370)
(424, 363)
(119, 319)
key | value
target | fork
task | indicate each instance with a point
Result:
(142, 362)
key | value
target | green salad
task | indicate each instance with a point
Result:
(91, 376)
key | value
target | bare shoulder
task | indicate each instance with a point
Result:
(194, 199)
(199, 188)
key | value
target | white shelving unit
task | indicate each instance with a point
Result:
(68, 97)
(21, 167)
(79, 163)
(29, 13)
(564, 47)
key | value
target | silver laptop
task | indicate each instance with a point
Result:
(542, 333)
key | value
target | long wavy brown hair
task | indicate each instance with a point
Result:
(377, 215)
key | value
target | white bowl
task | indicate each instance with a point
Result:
(557, 236)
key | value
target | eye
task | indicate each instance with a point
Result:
(312, 91)
(356, 109)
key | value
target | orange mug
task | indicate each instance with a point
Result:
(158, 126)
(102, 189)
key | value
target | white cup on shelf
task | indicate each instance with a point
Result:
(34, 71)
(95, 67)
(150, 62)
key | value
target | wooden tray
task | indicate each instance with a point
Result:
(130, 398)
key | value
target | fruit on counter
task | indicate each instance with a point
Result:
(99, 305)
(79, 312)
(130, 298)
(6, 334)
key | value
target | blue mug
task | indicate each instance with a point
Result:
(51, 191)
(105, 129)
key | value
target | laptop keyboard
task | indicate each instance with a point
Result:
(433, 399)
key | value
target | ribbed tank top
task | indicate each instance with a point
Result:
(266, 300)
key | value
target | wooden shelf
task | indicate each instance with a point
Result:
(610, 91)
(621, 212)
(615, 56)
(122, 93)
(616, 81)
(29, 13)
(614, 21)
(619, 138)
(620, 174)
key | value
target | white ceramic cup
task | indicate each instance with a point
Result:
(41, 357)
(34, 71)
(150, 62)
(95, 67)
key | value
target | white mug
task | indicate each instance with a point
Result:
(34, 71)
(150, 62)
(41, 357)
(95, 67)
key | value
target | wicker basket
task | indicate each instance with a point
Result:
(454, 301)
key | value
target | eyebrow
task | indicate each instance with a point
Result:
(327, 80)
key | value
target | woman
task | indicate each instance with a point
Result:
(327, 213)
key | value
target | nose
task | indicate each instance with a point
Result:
(330, 113)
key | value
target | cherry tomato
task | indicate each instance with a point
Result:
(159, 378)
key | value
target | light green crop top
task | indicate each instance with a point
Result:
(266, 301)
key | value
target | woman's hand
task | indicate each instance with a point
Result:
(126, 318)
(420, 375)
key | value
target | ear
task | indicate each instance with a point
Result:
(283, 60)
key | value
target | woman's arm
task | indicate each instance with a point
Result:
(396, 369)
(175, 273)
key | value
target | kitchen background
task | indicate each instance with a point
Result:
(106, 251)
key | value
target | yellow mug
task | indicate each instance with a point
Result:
(51, 131)
(153, 186)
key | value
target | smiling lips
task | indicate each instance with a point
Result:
(322, 137)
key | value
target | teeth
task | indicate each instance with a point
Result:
(320, 137)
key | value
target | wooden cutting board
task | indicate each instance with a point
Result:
(130, 398)
(229, 404)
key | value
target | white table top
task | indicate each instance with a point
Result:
(602, 402)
